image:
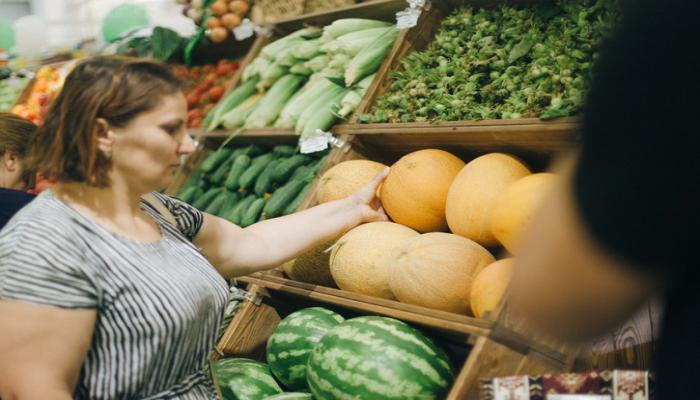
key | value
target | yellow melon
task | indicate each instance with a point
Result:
(312, 267)
(414, 192)
(360, 259)
(473, 192)
(514, 208)
(344, 178)
(489, 286)
(436, 270)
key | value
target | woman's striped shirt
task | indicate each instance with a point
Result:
(159, 305)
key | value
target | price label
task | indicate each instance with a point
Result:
(245, 30)
(312, 144)
(407, 18)
(424, 4)
(578, 397)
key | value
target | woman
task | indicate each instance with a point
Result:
(101, 298)
(15, 133)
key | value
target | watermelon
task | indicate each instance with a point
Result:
(378, 358)
(244, 379)
(290, 344)
(291, 396)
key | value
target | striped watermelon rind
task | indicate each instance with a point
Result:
(291, 396)
(289, 347)
(378, 358)
(244, 379)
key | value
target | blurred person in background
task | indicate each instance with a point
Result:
(621, 225)
(15, 179)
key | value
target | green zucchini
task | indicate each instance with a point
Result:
(215, 206)
(257, 165)
(294, 204)
(264, 181)
(231, 202)
(285, 169)
(187, 194)
(237, 212)
(284, 150)
(203, 201)
(199, 192)
(300, 172)
(239, 166)
(249, 216)
(215, 158)
(281, 198)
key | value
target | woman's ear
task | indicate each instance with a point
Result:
(104, 136)
(10, 160)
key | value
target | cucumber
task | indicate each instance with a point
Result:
(199, 192)
(187, 194)
(214, 159)
(281, 198)
(294, 204)
(254, 150)
(285, 169)
(284, 150)
(203, 201)
(257, 165)
(239, 166)
(237, 212)
(264, 181)
(214, 208)
(249, 216)
(300, 172)
(231, 201)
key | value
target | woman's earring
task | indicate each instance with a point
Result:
(108, 153)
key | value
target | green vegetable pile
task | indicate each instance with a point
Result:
(513, 61)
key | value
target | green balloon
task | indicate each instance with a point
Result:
(122, 18)
(7, 35)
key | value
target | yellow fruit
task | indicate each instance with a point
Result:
(312, 267)
(473, 192)
(415, 190)
(360, 259)
(344, 178)
(516, 205)
(489, 286)
(436, 270)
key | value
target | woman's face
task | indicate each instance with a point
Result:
(147, 152)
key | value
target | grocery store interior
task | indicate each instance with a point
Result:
(449, 121)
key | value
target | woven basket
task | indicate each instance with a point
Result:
(266, 11)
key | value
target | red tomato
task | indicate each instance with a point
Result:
(215, 93)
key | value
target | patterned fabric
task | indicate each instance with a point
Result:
(159, 305)
(619, 384)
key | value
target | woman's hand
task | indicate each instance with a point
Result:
(370, 206)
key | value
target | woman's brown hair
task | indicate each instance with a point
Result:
(15, 133)
(114, 88)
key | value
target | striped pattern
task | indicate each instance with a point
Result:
(244, 379)
(289, 346)
(159, 305)
(378, 358)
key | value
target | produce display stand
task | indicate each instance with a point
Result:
(496, 346)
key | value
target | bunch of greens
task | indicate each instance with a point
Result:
(513, 61)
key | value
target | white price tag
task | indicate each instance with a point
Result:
(312, 144)
(424, 4)
(407, 18)
(578, 397)
(245, 30)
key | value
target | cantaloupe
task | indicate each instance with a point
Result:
(514, 208)
(360, 259)
(344, 178)
(313, 266)
(415, 191)
(489, 285)
(473, 192)
(436, 270)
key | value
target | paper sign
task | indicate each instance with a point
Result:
(407, 18)
(245, 30)
(424, 4)
(314, 143)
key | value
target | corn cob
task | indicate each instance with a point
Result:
(273, 101)
(271, 49)
(307, 49)
(339, 61)
(253, 69)
(301, 69)
(317, 63)
(301, 101)
(320, 103)
(344, 26)
(371, 57)
(232, 100)
(236, 117)
(270, 75)
(286, 57)
(324, 117)
(353, 42)
(353, 97)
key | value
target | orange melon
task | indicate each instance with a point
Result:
(312, 267)
(344, 178)
(489, 286)
(436, 270)
(473, 192)
(359, 260)
(514, 208)
(414, 192)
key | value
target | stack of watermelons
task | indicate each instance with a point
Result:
(315, 353)
(250, 183)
